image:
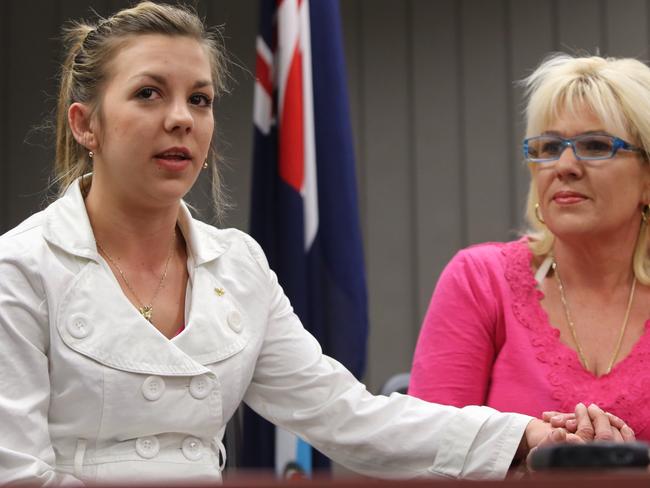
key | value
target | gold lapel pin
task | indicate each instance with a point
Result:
(220, 292)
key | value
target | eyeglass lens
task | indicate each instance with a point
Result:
(587, 147)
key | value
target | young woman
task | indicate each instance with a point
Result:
(130, 332)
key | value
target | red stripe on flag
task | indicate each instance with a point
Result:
(292, 146)
(263, 74)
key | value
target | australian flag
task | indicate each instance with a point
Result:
(304, 200)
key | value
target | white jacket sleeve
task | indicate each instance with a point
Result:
(26, 453)
(302, 390)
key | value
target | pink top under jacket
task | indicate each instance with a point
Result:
(486, 340)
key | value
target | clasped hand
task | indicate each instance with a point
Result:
(584, 425)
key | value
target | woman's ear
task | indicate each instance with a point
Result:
(80, 121)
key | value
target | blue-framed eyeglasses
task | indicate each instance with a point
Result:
(587, 147)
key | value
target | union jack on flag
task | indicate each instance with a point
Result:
(304, 202)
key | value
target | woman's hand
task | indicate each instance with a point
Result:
(584, 425)
(537, 433)
(618, 431)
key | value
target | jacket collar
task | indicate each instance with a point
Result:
(114, 333)
(67, 226)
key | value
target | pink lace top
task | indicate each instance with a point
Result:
(486, 340)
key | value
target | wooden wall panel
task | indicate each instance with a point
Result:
(387, 149)
(352, 35)
(580, 26)
(5, 57)
(115, 5)
(79, 9)
(29, 103)
(626, 28)
(486, 115)
(439, 187)
(234, 111)
(532, 37)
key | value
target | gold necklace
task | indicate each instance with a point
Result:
(145, 310)
(572, 327)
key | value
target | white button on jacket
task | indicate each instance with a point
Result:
(200, 387)
(192, 448)
(78, 326)
(153, 388)
(147, 447)
(91, 391)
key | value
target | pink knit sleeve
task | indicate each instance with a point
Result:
(455, 351)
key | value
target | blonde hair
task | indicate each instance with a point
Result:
(617, 91)
(89, 50)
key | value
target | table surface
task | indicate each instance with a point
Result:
(622, 478)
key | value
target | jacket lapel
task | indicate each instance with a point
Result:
(95, 319)
(216, 325)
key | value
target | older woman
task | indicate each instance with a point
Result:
(559, 316)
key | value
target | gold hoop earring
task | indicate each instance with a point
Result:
(205, 164)
(538, 214)
(645, 213)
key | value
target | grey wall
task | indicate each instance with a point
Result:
(435, 112)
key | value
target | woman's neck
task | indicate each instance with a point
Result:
(129, 231)
(601, 264)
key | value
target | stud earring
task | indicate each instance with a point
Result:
(538, 214)
(91, 154)
(205, 164)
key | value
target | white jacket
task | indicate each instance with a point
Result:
(91, 391)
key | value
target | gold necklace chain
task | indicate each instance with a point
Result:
(145, 310)
(572, 327)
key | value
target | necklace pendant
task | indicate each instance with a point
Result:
(147, 312)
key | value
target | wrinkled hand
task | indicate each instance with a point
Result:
(599, 425)
(584, 425)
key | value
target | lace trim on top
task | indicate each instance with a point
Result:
(624, 391)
